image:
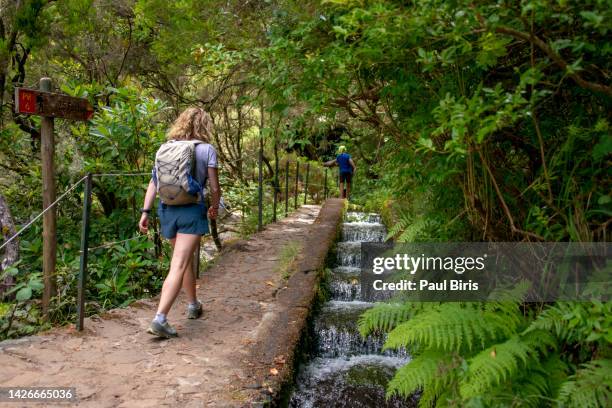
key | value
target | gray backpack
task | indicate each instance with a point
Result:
(175, 169)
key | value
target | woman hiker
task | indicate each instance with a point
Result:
(182, 209)
(347, 168)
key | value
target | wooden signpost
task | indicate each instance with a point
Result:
(49, 105)
(53, 105)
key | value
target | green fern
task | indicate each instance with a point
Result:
(432, 372)
(517, 293)
(414, 230)
(533, 386)
(452, 327)
(589, 387)
(554, 319)
(501, 362)
(385, 317)
(541, 381)
(509, 310)
(487, 354)
(404, 222)
(575, 322)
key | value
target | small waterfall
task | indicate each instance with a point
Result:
(356, 382)
(344, 283)
(363, 232)
(362, 217)
(349, 254)
(349, 370)
(347, 290)
(338, 336)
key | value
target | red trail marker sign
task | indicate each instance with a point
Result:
(35, 102)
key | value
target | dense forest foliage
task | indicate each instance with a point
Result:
(468, 121)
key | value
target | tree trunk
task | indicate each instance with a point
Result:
(11, 252)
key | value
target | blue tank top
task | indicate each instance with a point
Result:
(343, 162)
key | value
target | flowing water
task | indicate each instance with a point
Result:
(346, 369)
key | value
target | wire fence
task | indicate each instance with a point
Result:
(315, 183)
(37, 217)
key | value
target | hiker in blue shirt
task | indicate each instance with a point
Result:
(347, 168)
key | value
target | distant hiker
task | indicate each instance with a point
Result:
(181, 186)
(347, 168)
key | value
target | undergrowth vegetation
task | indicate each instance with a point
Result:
(499, 353)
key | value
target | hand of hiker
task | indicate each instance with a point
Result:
(143, 225)
(212, 213)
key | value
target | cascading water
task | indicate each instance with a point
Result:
(348, 370)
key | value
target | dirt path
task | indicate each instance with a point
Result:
(114, 363)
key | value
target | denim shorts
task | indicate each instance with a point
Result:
(186, 219)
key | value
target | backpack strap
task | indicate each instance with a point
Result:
(193, 162)
(194, 169)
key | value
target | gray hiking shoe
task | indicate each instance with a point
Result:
(194, 312)
(162, 329)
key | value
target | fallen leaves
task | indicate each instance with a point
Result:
(280, 360)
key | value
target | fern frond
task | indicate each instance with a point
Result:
(540, 384)
(555, 370)
(384, 317)
(501, 362)
(431, 372)
(554, 319)
(451, 327)
(535, 386)
(517, 293)
(589, 387)
(412, 231)
(509, 309)
(405, 220)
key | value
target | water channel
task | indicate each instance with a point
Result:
(346, 370)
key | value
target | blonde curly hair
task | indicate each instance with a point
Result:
(192, 124)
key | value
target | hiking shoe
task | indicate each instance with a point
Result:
(194, 312)
(162, 329)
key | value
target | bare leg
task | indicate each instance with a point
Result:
(189, 283)
(348, 189)
(180, 264)
(342, 189)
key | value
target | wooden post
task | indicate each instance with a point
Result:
(82, 284)
(338, 181)
(325, 187)
(276, 185)
(297, 177)
(306, 185)
(286, 188)
(47, 150)
(49, 105)
(260, 179)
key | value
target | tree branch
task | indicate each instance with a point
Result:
(541, 44)
(513, 227)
